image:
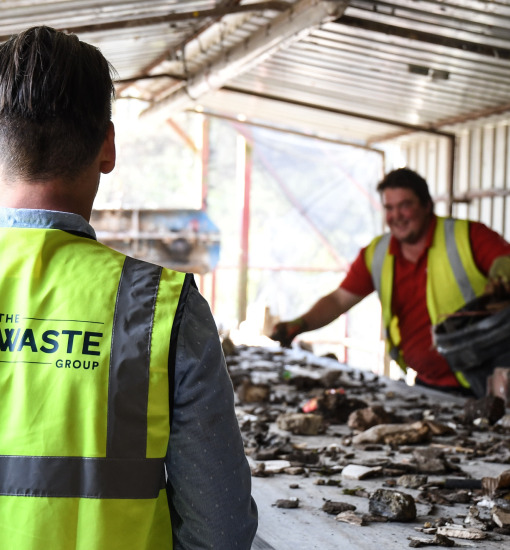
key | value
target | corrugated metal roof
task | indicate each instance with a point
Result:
(354, 70)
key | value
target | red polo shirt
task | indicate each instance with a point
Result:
(409, 301)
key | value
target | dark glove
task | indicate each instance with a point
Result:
(286, 331)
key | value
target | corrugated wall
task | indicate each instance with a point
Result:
(481, 178)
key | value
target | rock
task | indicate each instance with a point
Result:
(501, 517)
(355, 471)
(365, 418)
(396, 434)
(460, 532)
(294, 470)
(302, 456)
(410, 481)
(259, 470)
(275, 466)
(504, 422)
(474, 519)
(351, 517)
(331, 378)
(492, 484)
(300, 423)
(490, 407)
(329, 482)
(436, 428)
(394, 505)
(253, 393)
(438, 540)
(336, 407)
(287, 503)
(229, 347)
(332, 507)
(431, 460)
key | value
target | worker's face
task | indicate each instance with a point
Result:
(406, 217)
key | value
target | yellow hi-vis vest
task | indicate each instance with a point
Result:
(453, 279)
(84, 376)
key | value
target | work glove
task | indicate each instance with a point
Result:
(500, 269)
(499, 277)
(286, 331)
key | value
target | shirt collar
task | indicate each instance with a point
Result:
(45, 219)
(395, 248)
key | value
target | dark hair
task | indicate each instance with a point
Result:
(407, 179)
(55, 104)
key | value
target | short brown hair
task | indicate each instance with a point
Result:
(407, 179)
(55, 104)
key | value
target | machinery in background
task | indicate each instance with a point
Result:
(183, 240)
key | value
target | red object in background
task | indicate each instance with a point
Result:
(313, 404)
(310, 406)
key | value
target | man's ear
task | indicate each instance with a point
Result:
(107, 155)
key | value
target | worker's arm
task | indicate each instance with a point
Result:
(209, 479)
(323, 312)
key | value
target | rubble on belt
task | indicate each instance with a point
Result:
(438, 540)
(394, 505)
(333, 507)
(349, 516)
(491, 408)
(301, 423)
(287, 503)
(398, 441)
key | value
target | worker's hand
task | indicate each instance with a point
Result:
(286, 331)
(500, 269)
(499, 278)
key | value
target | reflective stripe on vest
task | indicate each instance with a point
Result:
(380, 252)
(450, 261)
(456, 264)
(449, 257)
(124, 472)
(453, 256)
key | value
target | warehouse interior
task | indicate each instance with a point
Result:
(355, 88)
(418, 83)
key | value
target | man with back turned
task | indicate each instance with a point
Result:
(118, 425)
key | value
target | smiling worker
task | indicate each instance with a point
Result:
(426, 267)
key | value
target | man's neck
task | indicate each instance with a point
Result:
(413, 251)
(51, 195)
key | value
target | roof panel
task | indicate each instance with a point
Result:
(405, 61)
(413, 63)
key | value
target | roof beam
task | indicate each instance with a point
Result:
(173, 17)
(461, 119)
(422, 36)
(325, 108)
(292, 25)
